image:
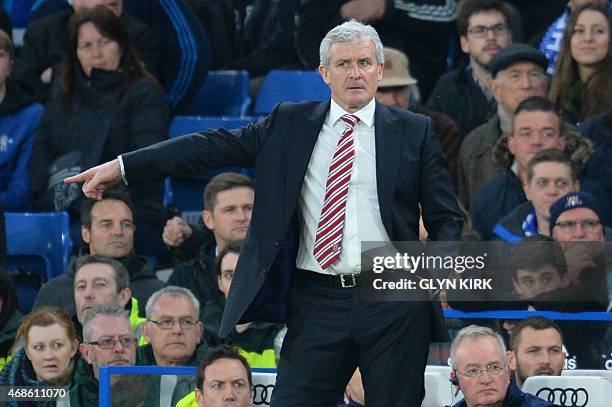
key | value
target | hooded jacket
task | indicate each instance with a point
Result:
(19, 117)
(59, 291)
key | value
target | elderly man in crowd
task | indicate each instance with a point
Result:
(174, 332)
(480, 369)
(107, 341)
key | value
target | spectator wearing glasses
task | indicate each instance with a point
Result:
(107, 341)
(480, 369)
(575, 221)
(174, 333)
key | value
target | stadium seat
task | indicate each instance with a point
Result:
(290, 86)
(224, 93)
(570, 390)
(186, 193)
(38, 248)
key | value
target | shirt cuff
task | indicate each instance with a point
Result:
(122, 169)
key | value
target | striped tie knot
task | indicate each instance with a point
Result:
(350, 120)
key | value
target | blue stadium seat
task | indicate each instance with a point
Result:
(38, 248)
(290, 86)
(186, 193)
(224, 93)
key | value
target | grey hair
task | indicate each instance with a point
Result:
(475, 332)
(107, 310)
(171, 291)
(350, 32)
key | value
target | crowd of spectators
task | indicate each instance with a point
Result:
(522, 107)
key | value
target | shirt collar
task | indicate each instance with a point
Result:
(365, 115)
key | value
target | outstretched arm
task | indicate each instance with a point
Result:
(97, 179)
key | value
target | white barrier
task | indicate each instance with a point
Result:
(575, 391)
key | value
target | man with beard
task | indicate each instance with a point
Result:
(536, 349)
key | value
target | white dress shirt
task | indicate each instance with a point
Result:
(362, 217)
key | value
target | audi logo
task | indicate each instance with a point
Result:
(263, 394)
(577, 397)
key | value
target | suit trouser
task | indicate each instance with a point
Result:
(331, 331)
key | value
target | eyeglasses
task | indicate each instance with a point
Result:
(481, 31)
(588, 225)
(109, 343)
(168, 323)
(493, 370)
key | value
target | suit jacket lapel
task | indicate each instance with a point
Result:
(388, 147)
(301, 144)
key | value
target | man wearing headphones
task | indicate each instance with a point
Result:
(480, 369)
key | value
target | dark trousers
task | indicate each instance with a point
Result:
(332, 331)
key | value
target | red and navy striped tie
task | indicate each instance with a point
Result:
(328, 241)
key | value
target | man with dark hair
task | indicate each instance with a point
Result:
(228, 202)
(107, 228)
(44, 47)
(536, 349)
(464, 94)
(103, 280)
(538, 266)
(549, 175)
(224, 376)
(535, 127)
(517, 73)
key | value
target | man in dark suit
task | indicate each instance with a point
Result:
(351, 163)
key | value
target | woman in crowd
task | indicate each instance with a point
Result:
(19, 117)
(48, 353)
(103, 104)
(581, 87)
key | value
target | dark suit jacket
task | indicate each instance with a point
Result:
(410, 169)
